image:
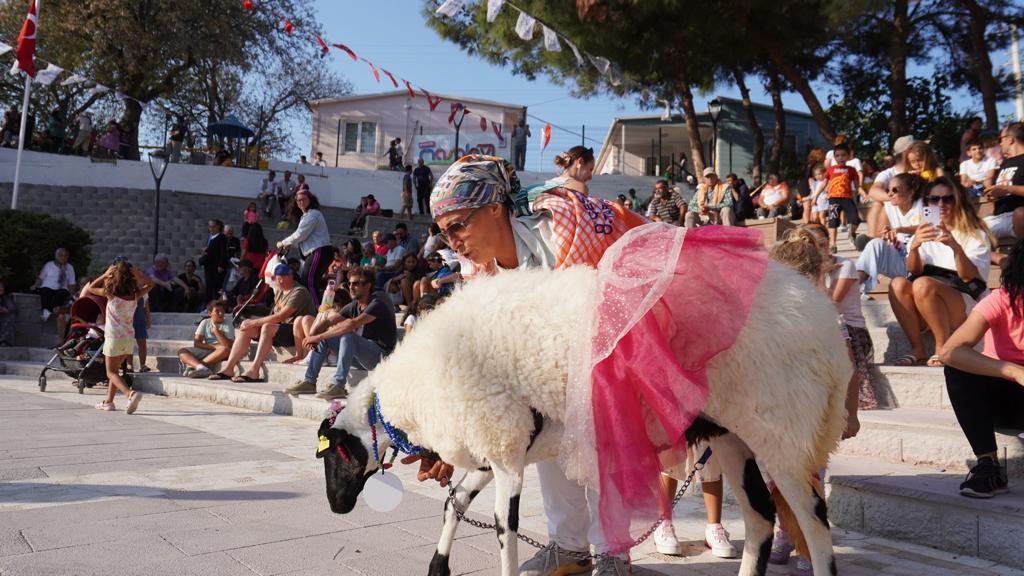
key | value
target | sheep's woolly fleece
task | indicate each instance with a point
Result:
(463, 383)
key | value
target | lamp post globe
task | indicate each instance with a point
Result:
(158, 161)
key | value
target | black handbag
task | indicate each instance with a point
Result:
(975, 288)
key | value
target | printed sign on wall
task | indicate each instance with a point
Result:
(437, 149)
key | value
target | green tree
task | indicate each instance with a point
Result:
(151, 49)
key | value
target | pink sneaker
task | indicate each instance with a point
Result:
(133, 402)
(107, 406)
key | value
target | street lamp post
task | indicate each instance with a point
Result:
(714, 110)
(460, 115)
(157, 165)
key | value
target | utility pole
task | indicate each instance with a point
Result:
(1018, 88)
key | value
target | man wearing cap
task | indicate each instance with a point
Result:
(713, 200)
(291, 301)
(878, 192)
(479, 207)
(363, 332)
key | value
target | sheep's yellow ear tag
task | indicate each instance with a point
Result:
(383, 492)
(323, 445)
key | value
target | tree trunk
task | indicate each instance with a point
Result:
(977, 24)
(898, 69)
(130, 128)
(755, 128)
(779, 135)
(800, 84)
(692, 127)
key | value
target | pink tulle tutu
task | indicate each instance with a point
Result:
(669, 300)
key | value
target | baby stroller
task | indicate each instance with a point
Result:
(255, 305)
(81, 354)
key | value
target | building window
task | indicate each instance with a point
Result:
(361, 137)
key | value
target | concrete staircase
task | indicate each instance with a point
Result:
(897, 479)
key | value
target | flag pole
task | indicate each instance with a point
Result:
(21, 141)
(24, 108)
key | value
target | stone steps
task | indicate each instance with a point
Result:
(923, 506)
(930, 439)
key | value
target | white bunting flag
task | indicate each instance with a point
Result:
(73, 79)
(47, 76)
(98, 89)
(450, 7)
(667, 114)
(145, 105)
(5, 48)
(121, 95)
(524, 26)
(614, 77)
(576, 52)
(600, 63)
(551, 40)
(493, 9)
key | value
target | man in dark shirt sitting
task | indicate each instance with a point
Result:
(363, 332)
(244, 286)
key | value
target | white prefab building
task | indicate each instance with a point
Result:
(355, 131)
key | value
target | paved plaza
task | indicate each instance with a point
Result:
(186, 487)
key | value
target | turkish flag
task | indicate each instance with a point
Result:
(27, 43)
(547, 136)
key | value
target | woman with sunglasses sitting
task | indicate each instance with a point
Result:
(886, 255)
(948, 268)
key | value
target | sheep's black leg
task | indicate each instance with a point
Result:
(467, 489)
(508, 485)
(752, 494)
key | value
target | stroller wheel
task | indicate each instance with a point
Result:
(80, 384)
(42, 382)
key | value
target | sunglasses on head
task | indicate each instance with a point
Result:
(941, 200)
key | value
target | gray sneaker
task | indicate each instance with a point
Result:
(302, 387)
(336, 391)
(200, 372)
(549, 562)
(612, 566)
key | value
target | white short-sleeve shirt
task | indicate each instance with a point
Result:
(50, 276)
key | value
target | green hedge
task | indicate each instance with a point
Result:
(28, 240)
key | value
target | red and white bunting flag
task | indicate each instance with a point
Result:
(602, 64)
(524, 26)
(5, 48)
(547, 136)
(247, 4)
(74, 79)
(576, 53)
(288, 26)
(493, 9)
(497, 132)
(373, 69)
(551, 40)
(433, 102)
(27, 43)
(412, 93)
(323, 45)
(390, 77)
(347, 50)
(450, 7)
(47, 76)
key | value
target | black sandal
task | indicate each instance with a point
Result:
(246, 379)
(219, 376)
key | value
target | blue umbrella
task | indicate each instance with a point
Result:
(230, 127)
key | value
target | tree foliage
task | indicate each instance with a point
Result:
(38, 237)
(164, 49)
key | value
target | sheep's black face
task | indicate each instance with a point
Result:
(345, 474)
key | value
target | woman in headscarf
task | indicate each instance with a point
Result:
(492, 224)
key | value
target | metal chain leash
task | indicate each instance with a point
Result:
(461, 515)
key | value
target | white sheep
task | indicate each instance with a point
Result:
(482, 383)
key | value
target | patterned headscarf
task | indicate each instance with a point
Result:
(472, 181)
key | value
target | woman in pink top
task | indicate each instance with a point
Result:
(122, 286)
(987, 389)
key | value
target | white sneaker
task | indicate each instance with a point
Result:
(200, 372)
(665, 540)
(45, 315)
(717, 539)
(332, 359)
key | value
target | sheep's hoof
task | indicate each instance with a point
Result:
(439, 565)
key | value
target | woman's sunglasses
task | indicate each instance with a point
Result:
(458, 228)
(950, 200)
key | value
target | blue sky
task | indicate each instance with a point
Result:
(393, 34)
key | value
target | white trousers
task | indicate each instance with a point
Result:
(574, 522)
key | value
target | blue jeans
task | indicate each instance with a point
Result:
(350, 348)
